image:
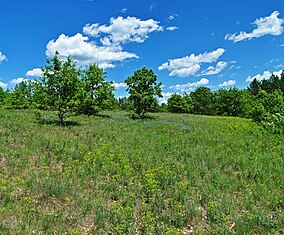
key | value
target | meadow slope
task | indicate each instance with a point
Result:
(173, 174)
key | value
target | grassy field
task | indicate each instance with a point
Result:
(173, 174)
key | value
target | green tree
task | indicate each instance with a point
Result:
(254, 87)
(96, 93)
(123, 103)
(202, 101)
(2, 96)
(143, 89)
(18, 98)
(179, 103)
(39, 98)
(231, 102)
(282, 82)
(61, 82)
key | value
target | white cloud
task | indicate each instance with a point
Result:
(36, 72)
(119, 85)
(172, 16)
(2, 57)
(123, 10)
(221, 65)
(279, 66)
(190, 86)
(108, 47)
(3, 85)
(166, 96)
(123, 30)
(190, 65)
(228, 83)
(265, 76)
(270, 25)
(17, 81)
(171, 28)
(86, 52)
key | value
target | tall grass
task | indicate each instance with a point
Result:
(173, 174)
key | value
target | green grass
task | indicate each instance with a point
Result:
(174, 174)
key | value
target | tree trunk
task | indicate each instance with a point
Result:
(61, 118)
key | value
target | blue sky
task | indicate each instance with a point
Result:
(220, 43)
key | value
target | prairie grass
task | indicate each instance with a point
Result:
(172, 174)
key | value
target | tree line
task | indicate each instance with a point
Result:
(263, 101)
(67, 89)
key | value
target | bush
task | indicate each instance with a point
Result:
(274, 123)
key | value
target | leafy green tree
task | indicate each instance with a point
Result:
(2, 96)
(246, 103)
(123, 103)
(254, 87)
(180, 103)
(230, 102)
(61, 82)
(39, 99)
(282, 82)
(163, 108)
(202, 101)
(143, 89)
(18, 97)
(266, 104)
(272, 84)
(175, 103)
(96, 93)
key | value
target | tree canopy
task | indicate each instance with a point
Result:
(144, 90)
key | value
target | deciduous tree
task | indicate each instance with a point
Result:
(61, 82)
(144, 90)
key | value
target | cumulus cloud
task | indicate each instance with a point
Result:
(123, 30)
(166, 96)
(86, 52)
(270, 25)
(171, 28)
(190, 65)
(228, 83)
(119, 85)
(36, 72)
(3, 85)
(211, 70)
(2, 57)
(265, 76)
(106, 46)
(190, 86)
(17, 80)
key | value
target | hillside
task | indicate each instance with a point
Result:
(173, 174)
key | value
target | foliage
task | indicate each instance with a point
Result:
(272, 84)
(179, 104)
(143, 89)
(96, 93)
(202, 101)
(18, 98)
(61, 81)
(2, 95)
(274, 123)
(268, 110)
(232, 102)
(123, 103)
